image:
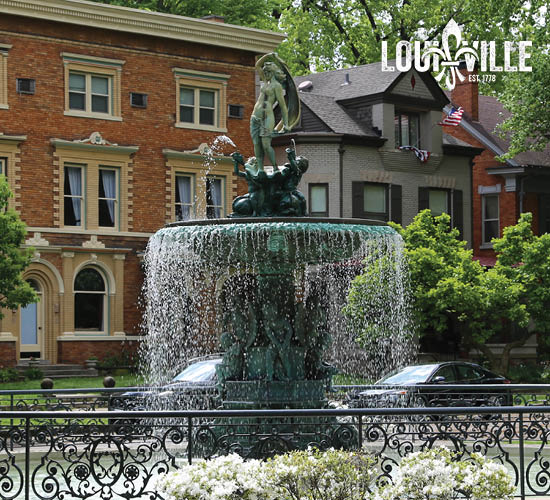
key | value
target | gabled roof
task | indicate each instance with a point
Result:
(365, 80)
(334, 116)
(340, 99)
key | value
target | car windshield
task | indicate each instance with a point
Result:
(202, 371)
(408, 375)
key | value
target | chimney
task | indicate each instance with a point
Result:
(214, 18)
(466, 93)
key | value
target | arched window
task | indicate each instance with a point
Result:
(89, 301)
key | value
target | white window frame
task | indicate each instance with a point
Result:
(192, 204)
(88, 94)
(484, 197)
(223, 187)
(116, 199)
(105, 293)
(197, 107)
(82, 197)
(448, 197)
(197, 81)
(90, 66)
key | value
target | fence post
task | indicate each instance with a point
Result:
(189, 440)
(11, 421)
(360, 432)
(521, 458)
(27, 457)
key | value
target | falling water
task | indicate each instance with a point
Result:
(192, 270)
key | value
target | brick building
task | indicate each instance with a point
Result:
(501, 190)
(104, 114)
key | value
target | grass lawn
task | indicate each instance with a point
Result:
(340, 379)
(72, 383)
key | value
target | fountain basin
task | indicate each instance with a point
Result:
(278, 240)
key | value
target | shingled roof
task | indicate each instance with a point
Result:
(491, 114)
(363, 80)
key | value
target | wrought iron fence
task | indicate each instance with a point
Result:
(353, 396)
(117, 454)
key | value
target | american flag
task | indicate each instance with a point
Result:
(453, 117)
(421, 154)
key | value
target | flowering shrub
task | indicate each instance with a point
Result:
(317, 475)
(434, 475)
(223, 478)
(338, 475)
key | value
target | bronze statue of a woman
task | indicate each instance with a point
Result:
(276, 82)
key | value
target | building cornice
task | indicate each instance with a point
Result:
(63, 144)
(12, 138)
(113, 17)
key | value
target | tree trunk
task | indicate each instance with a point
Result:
(500, 364)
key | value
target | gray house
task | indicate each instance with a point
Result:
(353, 122)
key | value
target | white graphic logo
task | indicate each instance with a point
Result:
(436, 58)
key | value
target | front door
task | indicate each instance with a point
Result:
(31, 326)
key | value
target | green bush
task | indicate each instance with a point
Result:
(528, 373)
(8, 375)
(33, 373)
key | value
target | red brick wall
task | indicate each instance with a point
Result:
(78, 351)
(36, 53)
(509, 209)
(8, 357)
(466, 94)
(148, 69)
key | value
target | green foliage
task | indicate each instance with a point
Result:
(116, 360)
(448, 284)
(14, 291)
(255, 13)
(8, 375)
(525, 259)
(527, 94)
(449, 287)
(327, 475)
(529, 373)
(323, 35)
(33, 373)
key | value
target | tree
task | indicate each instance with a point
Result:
(448, 287)
(525, 259)
(254, 13)
(324, 35)
(527, 96)
(14, 291)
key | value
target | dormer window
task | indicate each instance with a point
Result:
(407, 129)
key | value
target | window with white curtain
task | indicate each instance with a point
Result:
(184, 196)
(3, 167)
(107, 197)
(214, 197)
(73, 196)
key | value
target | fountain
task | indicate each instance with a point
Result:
(259, 283)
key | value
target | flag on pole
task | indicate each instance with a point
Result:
(421, 154)
(453, 117)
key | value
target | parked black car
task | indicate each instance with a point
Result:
(451, 383)
(194, 388)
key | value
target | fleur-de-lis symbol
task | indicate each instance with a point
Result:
(444, 54)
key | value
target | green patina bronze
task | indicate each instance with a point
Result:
(274, 337)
